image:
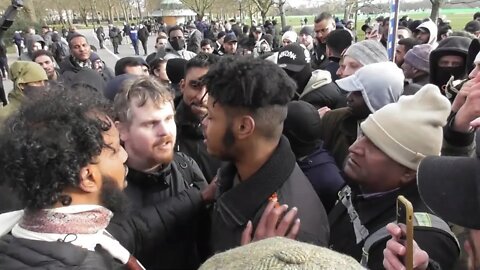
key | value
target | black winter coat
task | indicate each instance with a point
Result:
(145, 190)
(377, 212)
(237, 203)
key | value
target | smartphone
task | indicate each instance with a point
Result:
(405, 221)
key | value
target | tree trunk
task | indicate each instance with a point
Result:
(30, 10)
(139, 11)
(117, 14)
(283, 19)
(436, 4)
(264, 16)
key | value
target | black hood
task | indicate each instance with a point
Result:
(449, 46)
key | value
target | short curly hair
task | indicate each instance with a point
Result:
(44, 145)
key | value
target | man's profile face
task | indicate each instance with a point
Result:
(217, 130)
(322, 29)
(399, 54)
(80, 48)
(369, 166)
(47, 64)
(350, 66)
(423, 36)
(194, 91)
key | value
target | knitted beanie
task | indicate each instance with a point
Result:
(290, 35)
(367, 52)
(26, 72)
(411, 129)
(280, 253)
(418, 57)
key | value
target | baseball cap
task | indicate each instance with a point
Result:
(293, 57)
(472, 26)
(230, 37)
(377, 91)
(450, 187)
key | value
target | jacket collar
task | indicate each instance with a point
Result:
(239, 204)
(370, 207)
(150, 179)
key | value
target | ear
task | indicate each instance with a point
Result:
(89, 179)
(182, 85)
(122, 130)
(408, 175)
(244, 127)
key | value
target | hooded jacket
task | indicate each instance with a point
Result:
(450, 46)
(320, 91)
(432, 29)
(30, 42)
(21, 72)
(172, 53)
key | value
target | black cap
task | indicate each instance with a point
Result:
(308, 30)
(450, 187)
(472, 26)
(115, 85)
(230, 37)
(365, 27)
(293, 57)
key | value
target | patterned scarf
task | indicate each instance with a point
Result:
(49, 221)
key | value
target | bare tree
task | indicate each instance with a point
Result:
(264, 6)
(281, 8)
(199, 6)
(436, 4)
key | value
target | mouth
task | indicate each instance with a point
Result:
(164, 145)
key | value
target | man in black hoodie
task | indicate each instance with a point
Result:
(447, 60)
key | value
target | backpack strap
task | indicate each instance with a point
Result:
(421, 219)
(361, 232)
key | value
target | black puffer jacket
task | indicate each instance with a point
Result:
(138, 234)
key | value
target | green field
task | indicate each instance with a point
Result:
(458, 17)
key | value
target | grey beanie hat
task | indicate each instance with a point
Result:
(418, 57)
(367, 52)
(280, 253)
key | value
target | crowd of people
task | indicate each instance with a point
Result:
(235, 147)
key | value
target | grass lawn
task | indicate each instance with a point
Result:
(458, 18)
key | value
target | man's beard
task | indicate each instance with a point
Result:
(113, 198)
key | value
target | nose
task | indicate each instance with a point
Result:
(356, 148)
(124, 154)
(161, 129)
(474, 72)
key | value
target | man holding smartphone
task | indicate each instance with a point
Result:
(382, 165)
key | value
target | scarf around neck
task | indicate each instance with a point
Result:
(80, 225)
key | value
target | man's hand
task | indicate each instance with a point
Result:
(208, 193)
(462, 95)
(469, 111)
(270, 224)
(322, 111)
(395, 249)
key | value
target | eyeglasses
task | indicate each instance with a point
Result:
(205, 116)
